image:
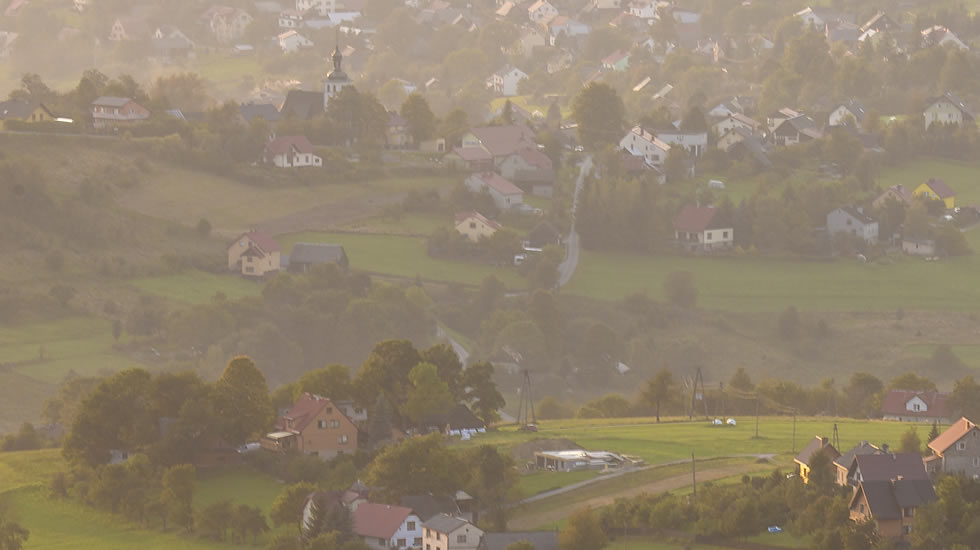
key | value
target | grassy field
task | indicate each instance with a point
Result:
(197, 287)
(539, 482)
(760, 284)
(406, 224)
(403, 257)
(960, 176)
(241, 487)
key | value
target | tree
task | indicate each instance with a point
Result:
(912, 382)
(420, 121)
(332, 382)
(507, 114)
(741, 381)
(600, 115)
(659, 389)
(453, 126)
(447, 363)
(185, 91)
(248, 520)
(241, 401)
(821, 471)
(12, 534)
(435, 469)
(429, 395)
(679, 289)
(694, 120)
(965, 398)
(177, 493)
(379, 423)
(933, 432)
(287, 509)
(482, 392)
(386, 371)
(215, 520)
(583, 532)
(910, 442)
(860, 393)
(492, 482)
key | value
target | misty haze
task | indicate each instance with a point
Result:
(489, 274)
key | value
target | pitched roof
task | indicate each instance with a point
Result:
(614, 57)
(265, 111)
(499, 184)
(302, 104)
(904, 193)
(303, 412)
(444, 523)
(536, 158)
(858, 215)
(16, 109)
(110, 101)
(542, 540)
(854, 107)
(864, 448)
(264, 240)
(285, 144)
(459, 417)
(463, 216)
(504, 140)
(940, 188)
(472, 154)
(951, 435)
(816, 444)
(379, 520)
(895, 400)
(888, 466)
(316, 253)
(428, 506)
(695, 219)
(886, 499)
(956, 101)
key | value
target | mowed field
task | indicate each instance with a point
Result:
(404, 257)
(198, 287)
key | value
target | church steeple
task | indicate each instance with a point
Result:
(338, 58)
(337, 80)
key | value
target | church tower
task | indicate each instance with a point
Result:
(337, 79)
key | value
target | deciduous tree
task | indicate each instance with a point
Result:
(659, 389)
(241, 401)
(600, 115)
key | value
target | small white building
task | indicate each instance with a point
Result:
(851, 111)
(693, 142)
(291, 152)
(641, 143)
(506, 81)
(737, 120)
(577, 459)
(947, 109)
(852, 220)
(445, 532)
(291, 41)
(505, 194)
(703, 228)
(919, 247)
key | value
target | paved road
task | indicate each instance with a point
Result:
(567, 268)
(457, 347)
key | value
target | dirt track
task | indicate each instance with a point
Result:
(522, 520)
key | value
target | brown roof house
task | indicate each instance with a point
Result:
(500, 141)
(445, 532)
(818, 443)
(703, 229)
(383, 526)
(844, 461)
(884, 466)
(473, 158)
(529, 166)
(291, 152)
(916, 406)
(505, 194)
(899, 193)
(113, 112)
(956, 450)
(313, 426)
(891, 504)
(254, 254)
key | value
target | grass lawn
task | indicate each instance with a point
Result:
(403, 257)
(24, 468)
(644, 543)
(198, 287)
(784, 539)
(960, 176)
(406, 224)
(760, 284)
(539, 482)
(243, 486)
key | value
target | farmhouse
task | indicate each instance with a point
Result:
(956, 450)
(702, 228)
(505, 194)
(818, 443)
(891, 504)
(849, 113)
(500, 141)
(916, 406)
(383, 526)
(506, 80)
(898, 193)
(528, 165)
(445, 532)
(578, 459)
(306, 255)
(313, 426)
(843, 463)
(254, 254)
(475, 226)
(291, 152)
(25, 111)
(885, 466)
(469, 158)
(852, 220)
(736, 120)
(642, 143)
(792, 131)
(947, 109)
(112, 112)
(693, 142)
(934, 189)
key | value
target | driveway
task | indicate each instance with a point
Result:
(567, 268)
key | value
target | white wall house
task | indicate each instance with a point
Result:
(383, 526)
(947, 109)
(736, 120)
(693, 142)
(291, 152)
(291, 41)
(641, 143)
(321, 7)
(506, 81)
(851, 220)
(844, 113)
(505, 194)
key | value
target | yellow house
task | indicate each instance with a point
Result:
(817, 444)
(475, 226)
(25, 112)
(936, 190)
(254, 254)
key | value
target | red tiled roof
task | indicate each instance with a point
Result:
(614, 57)
(940, 188)
(303, 412)
(263, 240)
(695, 219)
(463, 216)
(952, 434)
(284, 145)
(535, 158)
(472, 154)
(895, 401)
(501, 185)
(379, 520)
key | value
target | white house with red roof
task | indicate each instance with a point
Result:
(291, 152)
(643, 143)
(956, 450)
(254, 254)
(916, 406)
(475, 226)
(505, 194)
(703, 228)
(384, 526)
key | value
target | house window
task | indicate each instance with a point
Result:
(382, 542)
(329, 410)
(401, 543)
(428, 547)
(322, 424)
(438, 535)
(907, 529)
(724, 234)
(861, 508)
(961, 445)
(335, 423)
(417, 543)
(472, 225)
(460, 539)
(410, 526)
(249, 269)
(908, 512)
(976, 462)
(342, 439)
(708, 236)
(915, 407)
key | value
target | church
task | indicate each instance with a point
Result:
(304, 104)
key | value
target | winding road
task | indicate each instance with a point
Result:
(572, 247)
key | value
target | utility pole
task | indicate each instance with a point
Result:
(757, 414)
(794, 431)
(694, 476)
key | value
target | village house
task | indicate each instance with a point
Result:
(302, 104)
(934, 189)
(528, 166)
(385, 526)
(530, 39)
(777, 117)
(475, 226)
(541, 12)
(919, 247)
(500, 141)
(791, 131)
(736, 120)
(542, 540)
(458, 421)
(25, 111)
(445, 532)
(255, 111)
(313, 426)
(290, 19)
(844, 462)
(113, 112)
(644, 9)
(816, 16)
(291, 41)
(573, 460)
(396, 131)
(947, 109)
(505, 194)
(898, 193)
(226, 23)
(853, 221)
(741, 143)
(127, 28)
(473, 159)
(305, 256)
(916, 406)
(254, 254)
(506, 80)
(169, 41)
(942, 37)
(567, 27)
(291, 152)
(891, 504)
(956, 451)
(818, 443)
(617, 61)
(703, 229)
(694, 143)
(642, 143)
(885, 466)
(880, 22)
(849, 113)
